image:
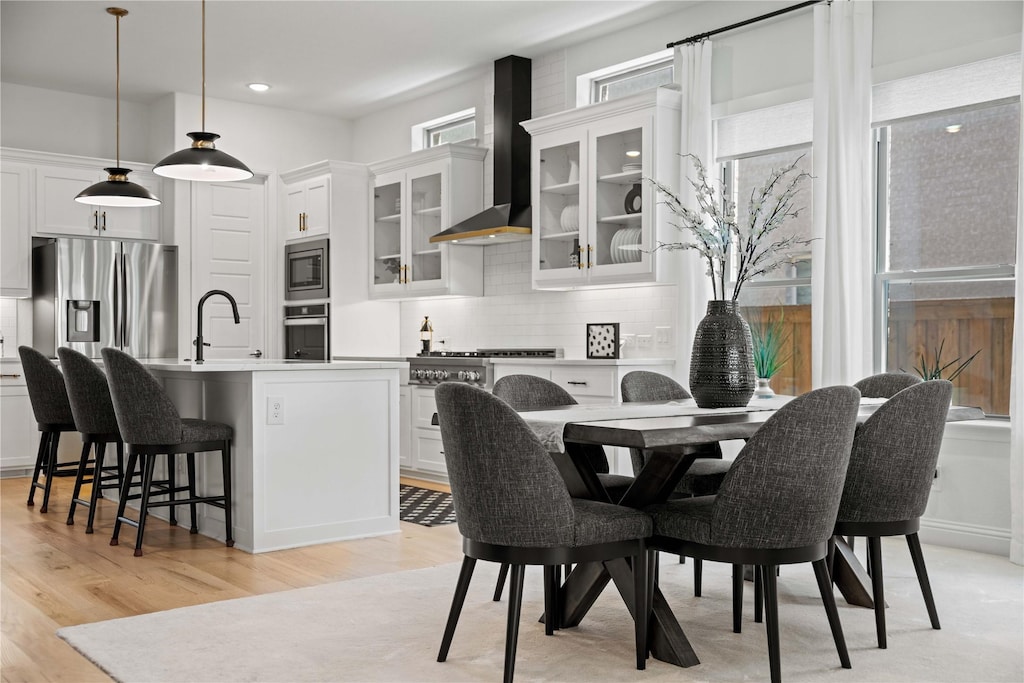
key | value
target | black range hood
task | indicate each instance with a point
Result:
(510, 219)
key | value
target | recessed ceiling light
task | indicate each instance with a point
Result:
(259, 87)
(955, 128)
(633, 153)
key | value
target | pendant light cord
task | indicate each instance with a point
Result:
(117, 87)
(203, 121)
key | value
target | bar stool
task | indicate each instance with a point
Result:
(53, 414)
(95, 420)
(151, 425)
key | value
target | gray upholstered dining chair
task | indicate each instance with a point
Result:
(52, 411)
(529, 392)
(889, 479)
(512, 505)
(151, 425)
(886, 384)
(95, 420)
(707, 471)
(777, 505)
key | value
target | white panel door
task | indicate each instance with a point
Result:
(229, 228)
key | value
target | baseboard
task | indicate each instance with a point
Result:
(983, 539)
(425, 476)
(15, 472)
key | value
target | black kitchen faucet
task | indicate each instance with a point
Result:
(199, 325)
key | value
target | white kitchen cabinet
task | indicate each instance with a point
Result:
(415, 197)
(306, 207)
(404, 427)
(57, 212)
(19, 437)
(596, 220)
(15, 231)
(426, 453)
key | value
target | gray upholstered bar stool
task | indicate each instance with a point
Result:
(52, 411)
(886, 384)
(95, 420)
(150, 425)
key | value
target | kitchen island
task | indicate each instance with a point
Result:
(315, 450)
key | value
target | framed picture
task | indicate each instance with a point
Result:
(602, 340)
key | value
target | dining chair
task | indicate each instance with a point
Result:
(52, 412)
(151, 425)
(512, 505)
(777, 505)
(93, 410)
(892, 465)
(886, 384)
(707, 471)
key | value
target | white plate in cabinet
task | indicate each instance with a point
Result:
(57, 212)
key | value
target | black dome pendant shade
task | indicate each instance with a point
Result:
(202, 161)
(117, 190)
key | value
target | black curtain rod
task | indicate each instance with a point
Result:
(701, 36)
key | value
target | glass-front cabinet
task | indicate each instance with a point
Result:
(414, 198)
(595, 218)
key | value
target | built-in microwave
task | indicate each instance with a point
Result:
(306, 271)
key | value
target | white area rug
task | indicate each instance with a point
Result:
(388, 628)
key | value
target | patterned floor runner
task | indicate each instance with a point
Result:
(426, 507)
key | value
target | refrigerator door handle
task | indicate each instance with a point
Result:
(117, 302)
(124, 303)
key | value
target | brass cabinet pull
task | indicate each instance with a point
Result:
(579, 260)
(104, 221)
(590, 250)
(582, 384)
(96, 220)
(11, 375)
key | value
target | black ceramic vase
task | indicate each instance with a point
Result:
(722, 364)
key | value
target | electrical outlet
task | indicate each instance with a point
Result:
(663, 335)
(643, 341)
(275, 410)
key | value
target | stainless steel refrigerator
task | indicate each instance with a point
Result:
(88, 294)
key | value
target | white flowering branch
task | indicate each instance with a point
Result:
(715, 229)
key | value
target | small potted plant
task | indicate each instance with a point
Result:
(768, 338)
(932, 368)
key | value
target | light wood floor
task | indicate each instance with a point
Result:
(54, 575)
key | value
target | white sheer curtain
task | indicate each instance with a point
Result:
(842, 254)
(1017, 365)
(693, 73)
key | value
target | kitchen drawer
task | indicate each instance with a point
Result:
(584, 381)
(423, 408)
(428, 451)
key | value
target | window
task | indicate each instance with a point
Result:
(457, 127)
(947, 213)
(627, 78)
(785, 294)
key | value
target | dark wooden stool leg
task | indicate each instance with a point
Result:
(641, 615)
(465, 575)
(172, 517)
(917, 556)
(120, 465)
(51, 469)
(877, 591)
(97, 485)
(41, 455)
(771, 599)
(83, 465)
(500, 585)
(829, 598)
(737, 598)
(190, 462)
(698, 574)
(758, 594)
(226, 461)
(550, 588)
(125, 488)
(515, 604)
(148, 465)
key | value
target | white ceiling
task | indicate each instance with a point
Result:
(337, 58)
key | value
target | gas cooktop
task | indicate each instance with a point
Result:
(495, 353)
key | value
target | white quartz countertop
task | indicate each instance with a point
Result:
(266, 365)
(583, 361)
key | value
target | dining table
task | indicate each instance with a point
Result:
(674, 434)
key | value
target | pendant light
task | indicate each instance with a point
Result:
(116, 190)
(203, 161)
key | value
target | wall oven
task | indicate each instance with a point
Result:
(306, 271)
(307, 331)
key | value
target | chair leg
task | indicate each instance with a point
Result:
(771, 608)
(461, 588)
(641, 605)
(226, 463)
(148, 465)
(829, 598)
(831, 556)
(44, 449)
(758, 594)
(737, 598)
(500, 586)
(190, 463)
(97, 485)
(922, 578)
(120, 465)
(877, 591)
(515, 604)
(172, 516)
(125, 489)
(549, 599)
(698, 574)
(51, 469)
(83, 465)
